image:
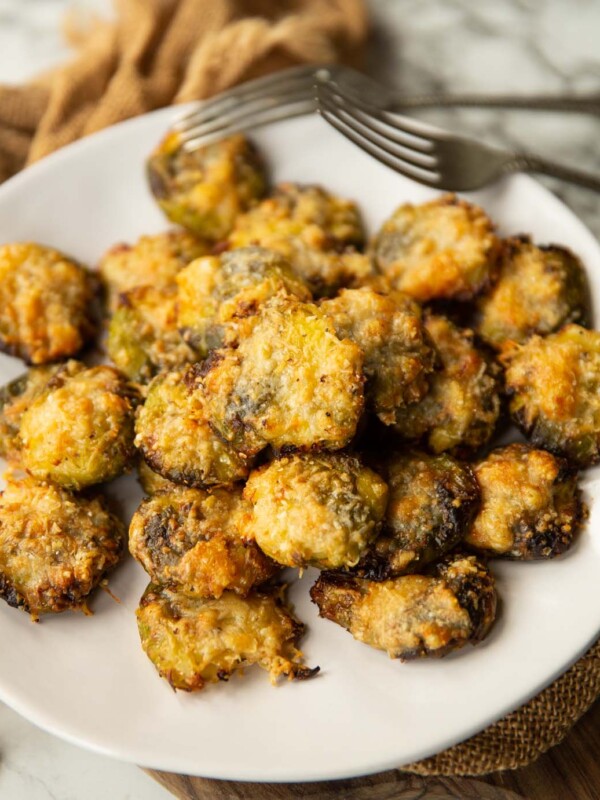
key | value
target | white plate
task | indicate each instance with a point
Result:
(87, 679)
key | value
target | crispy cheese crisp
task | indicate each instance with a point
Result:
(174, 434)
(152, 261)
(315, 510)
(205, 190)
(432, 501)
(399, 353)
(190, 540)
(46, 304)
(290, 383)
(54, 546)
(320, 234)
(143, 337)
(460, 411)
(413, 616)
(220, 296)
(553, 383)
(193, 641)
(539, 289)
(531, 506)
(445, 249)
(80, 429)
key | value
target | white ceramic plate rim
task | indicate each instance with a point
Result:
(152, 756)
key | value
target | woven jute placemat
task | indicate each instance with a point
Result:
(521, 737)
(157, 52)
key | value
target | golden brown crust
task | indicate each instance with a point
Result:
(443, 249)
(193, 641)
(415, 615)
(54, 546)
(319, 510)
(539, 290)
(206, 189)
(531, 507)
(291, 382)
(317, 232)
(152, 261)
(15, 398)
(46, 304)
(399, 354)
(220, 296)
(143, 338)
(432, 502)
(79, 431)
(190, 540)
(460, 411)
(176, 439)
(553, 383)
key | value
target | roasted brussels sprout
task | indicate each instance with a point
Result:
(152, 261)
(193, 641)
(190, 540)
(432, 501)
(530, 504)
(15, 399)
(206, 189)
(46, 304)
(176, 439)
(291, 382)
(539, 290)
(54, 546)
(415, 615)
(79, 430)
(219, 296)
(314, 510)
(554, 386)
(462, 407)
(317, 232)
(443, 249)
(143, 338)
(399, 355)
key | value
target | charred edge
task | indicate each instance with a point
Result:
(425, 652)
(455, 518)
(156, 533)
(531, 544)
(190, 478)
(302, 673)
(567, 451)
(335, 594)
(11, 595)
(202, 368)
(12, 390)
(156, 180)
(195, 372)
(373, 567)
(475, 593)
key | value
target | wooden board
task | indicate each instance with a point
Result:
(570, 771)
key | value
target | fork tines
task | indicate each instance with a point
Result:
(281, 95)
(399, 142)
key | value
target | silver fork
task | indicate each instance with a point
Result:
(291, 93)
(427, 154)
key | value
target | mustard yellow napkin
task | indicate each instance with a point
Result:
(158, 52)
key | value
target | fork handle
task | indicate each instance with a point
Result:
(524, 162)
(583, 104)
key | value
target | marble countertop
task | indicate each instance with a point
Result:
(419, 45)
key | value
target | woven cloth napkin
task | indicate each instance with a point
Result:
(158, 52)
